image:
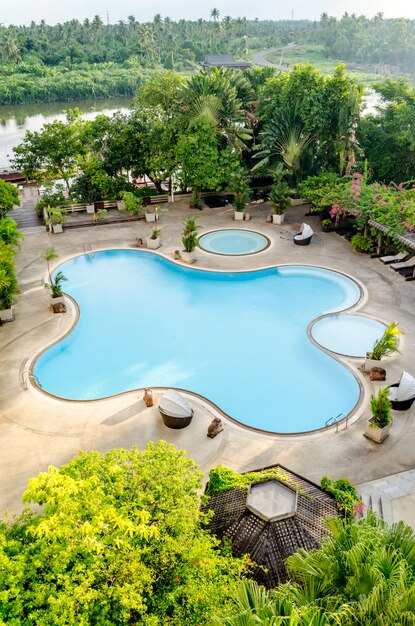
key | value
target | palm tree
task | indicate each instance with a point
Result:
(284, 138)
(214, 14)
(49, 255)
(367, 565)
(213, 96)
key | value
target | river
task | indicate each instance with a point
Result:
(16, 120)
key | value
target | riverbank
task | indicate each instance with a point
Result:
(62, 85)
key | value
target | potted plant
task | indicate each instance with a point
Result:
(362, 243)
(239, 187)
(379, 424)
(189, 239)
(90, 208)
(152, 215)
(386, 345)
(153, 242)
(279, 197)
(327, 226)
(56, 218)
(55, 288)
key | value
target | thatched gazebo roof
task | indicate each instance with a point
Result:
(272, 537)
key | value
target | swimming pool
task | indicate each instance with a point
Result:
(238, 339)
(351, 335)
(233, 242)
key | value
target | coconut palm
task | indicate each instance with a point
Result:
(214, 14)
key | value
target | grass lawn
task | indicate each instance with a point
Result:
(299, 55)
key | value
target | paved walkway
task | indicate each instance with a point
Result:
(392, 497)
(25, 215)
(37, 430)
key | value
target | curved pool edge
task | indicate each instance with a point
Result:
(333, 352)
(351, 417)
(269, 242)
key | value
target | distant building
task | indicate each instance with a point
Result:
(224, 60)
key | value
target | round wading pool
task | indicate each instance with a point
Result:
(349, 335)
(233, 242)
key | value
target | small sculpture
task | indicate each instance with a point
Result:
(59, 307)
(177, 255)
(148, 397)
(377, 373)
(215, 427)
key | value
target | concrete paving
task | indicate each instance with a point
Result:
(392, 497)
(37, 430)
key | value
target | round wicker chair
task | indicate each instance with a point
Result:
(303, 237)
(402, 394)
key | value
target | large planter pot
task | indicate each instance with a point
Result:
(57, 228)
(6, 315)
(376, 434)
(278, 219)
(120, 205)
(238, 216)
(188, 257)
(369, 363)
(90, 208)
(151, 217)
(59, 300)
(153, 244)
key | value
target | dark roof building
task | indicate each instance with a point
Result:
(224, 60)
(270, 520)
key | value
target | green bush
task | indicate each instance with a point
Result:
(344, 493)
(362, 243)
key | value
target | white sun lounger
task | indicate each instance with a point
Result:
(393, 258)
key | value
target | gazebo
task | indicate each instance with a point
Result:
(271, 519)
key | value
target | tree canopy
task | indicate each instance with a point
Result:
(114, 538)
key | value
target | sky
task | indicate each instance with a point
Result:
(53, 11)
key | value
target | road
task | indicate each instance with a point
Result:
(259, 58)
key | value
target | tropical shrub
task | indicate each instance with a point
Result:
(189, 235)
(133, 205)
(53, 196)
(9, 197)
(363, 573)
(321, 191)
(362, 243)
(114, 538)
(380, 407)
(279, 197)
(8, 280)
(55, 287)
(344, 493)
(387, 344)
(239, 187)
(223, 478)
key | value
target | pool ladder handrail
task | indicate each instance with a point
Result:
(89, 248)
(26, 375)
(335, 420)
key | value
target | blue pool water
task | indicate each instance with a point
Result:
(238, 339)
(233, 241)
(352, 335)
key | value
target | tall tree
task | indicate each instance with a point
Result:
(119, 541)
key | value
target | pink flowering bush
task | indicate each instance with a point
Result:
(391, 205)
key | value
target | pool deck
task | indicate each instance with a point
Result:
(37, 431)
